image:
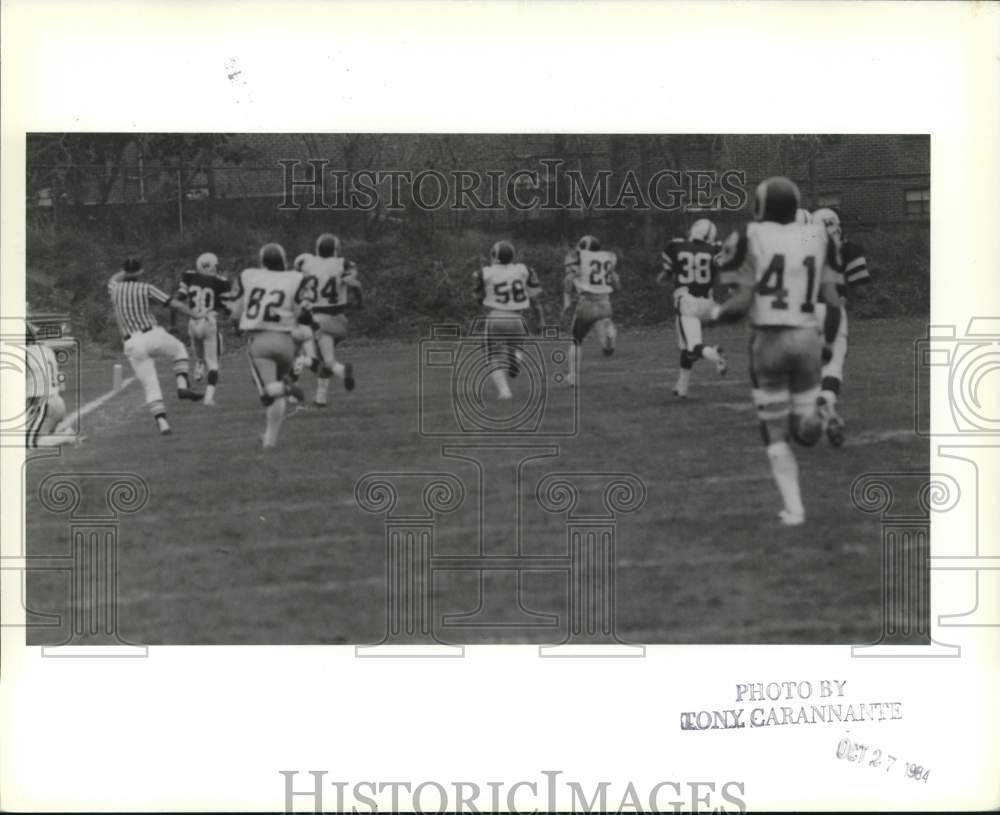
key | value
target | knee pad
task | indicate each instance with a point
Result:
(698, 351)
(687, 360)
(213, 377)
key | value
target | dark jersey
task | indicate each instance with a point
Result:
(202, 292)
(691, 265)
(853, 269)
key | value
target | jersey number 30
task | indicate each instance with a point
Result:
(255, 301)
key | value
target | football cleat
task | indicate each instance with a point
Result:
(791, 518)
(207, 263)
(272, 257)
(702, 230)
(328, 246)
(187, 393)
(776, 199)
(720, 364)
(502, 252)
(679, 392)
(348, 376)
(835, 430)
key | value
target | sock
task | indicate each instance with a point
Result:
(338, 369)
(710, 352)
(210, 393)
(573, 357)
(785, 470)
(275, 416)
(161, 421)
(683, 380)
(322, 388)
(182, 382)
(500, 380)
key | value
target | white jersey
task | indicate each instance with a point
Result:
(42, 378)
(594, 272)
(270, 300)
(331, 280)
(786, 264)
(508, 287)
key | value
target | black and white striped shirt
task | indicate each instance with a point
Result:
(130, 299)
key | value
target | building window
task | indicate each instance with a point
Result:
(830, 200)
(918, 203)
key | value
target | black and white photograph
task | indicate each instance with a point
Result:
(499, 406)
(402, 390)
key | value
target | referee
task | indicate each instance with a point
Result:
(145, 340)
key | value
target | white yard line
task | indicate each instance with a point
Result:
(73, 420)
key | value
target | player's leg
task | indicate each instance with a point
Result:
(270, 358)
(49, 434)
(326, 348)
(803, 347)
(145, 371)
(604, 328)
(772, 400)
(686, 362)
(161, 344)
(582, 323)
(35, 409)
(692, 310)
(210, 345)
(196, 333)
(833, 375)
(498, 350)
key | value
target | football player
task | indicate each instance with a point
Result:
(45, 407)
(591, 277)
(507, 290)
(205, 291)
(802, 216)
(273, 308)
(852, 272)
(335, 279)
(780, 269)
(690, 264)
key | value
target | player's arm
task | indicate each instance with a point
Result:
(353, 283)
(614, 280)
(479, 285)
(234, 299)
(736, 271)
(828, 294)
(534, 291)
(855, 265)
(305, 297)
(666, 274)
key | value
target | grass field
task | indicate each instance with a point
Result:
(241, 546)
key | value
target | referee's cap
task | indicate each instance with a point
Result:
(132, 265)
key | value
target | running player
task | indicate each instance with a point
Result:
(335, 278)
(690, 264)
(272, 306)
(591, 277)
(780, 268)
(852, 272)
(145, 340)
(205, 291)
(507, 290)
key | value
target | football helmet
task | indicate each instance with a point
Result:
(702, 230)
(588, 243)
(301, 261)
(207, 263)
(802, 216)
(502, 252)
(830, 220)
(328, 245)
(776, 199)
(272, 256)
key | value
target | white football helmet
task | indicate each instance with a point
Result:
(830, 220)
(207, 263)
(301, 261)
(702, 230)
(802, 216)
